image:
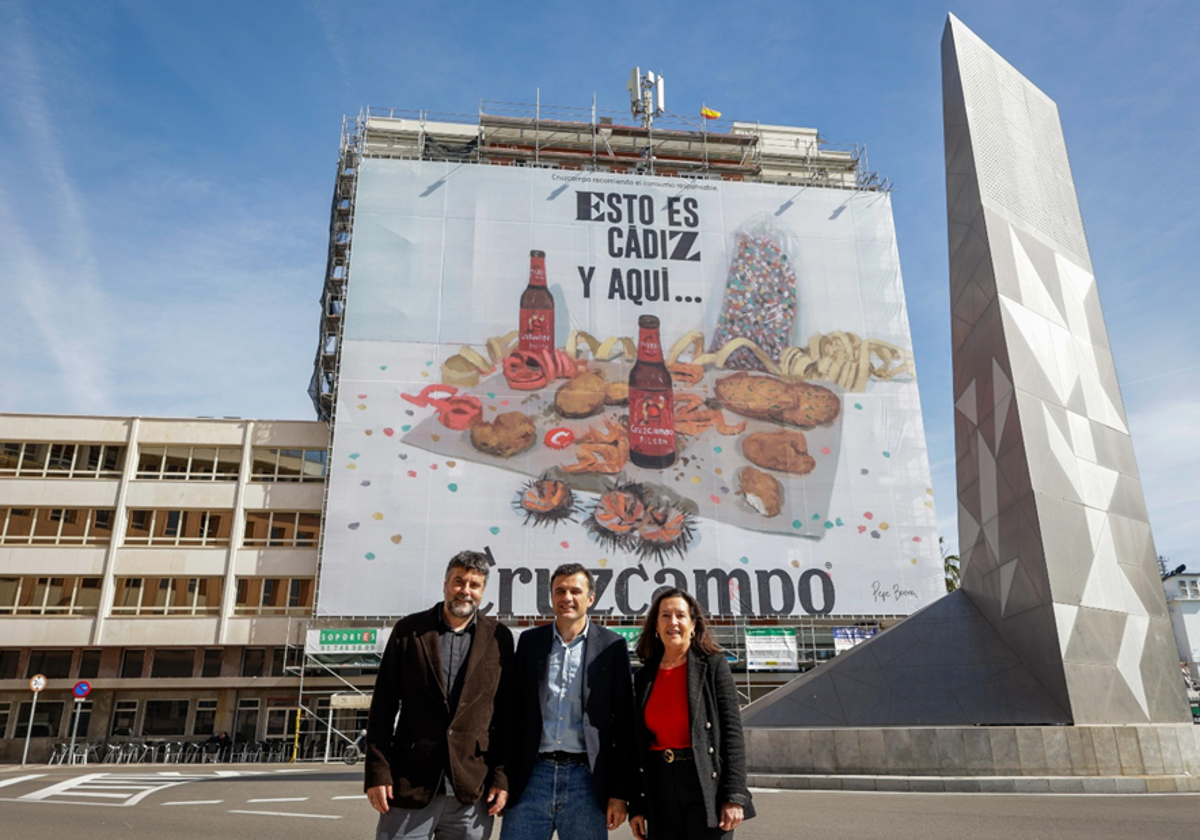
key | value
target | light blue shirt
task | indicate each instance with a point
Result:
(562, 699)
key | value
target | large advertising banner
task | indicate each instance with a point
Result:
(675, 382)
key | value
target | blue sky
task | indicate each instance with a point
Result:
(166, 169)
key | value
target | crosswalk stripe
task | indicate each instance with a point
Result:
(18, 779)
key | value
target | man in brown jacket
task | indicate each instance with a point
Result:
(447, 671)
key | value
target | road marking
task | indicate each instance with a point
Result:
(19, 779)
(285, 799)
(356, 796)
(196, 802)
(61, 787)
(285, 814)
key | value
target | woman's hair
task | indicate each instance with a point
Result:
(649, 646)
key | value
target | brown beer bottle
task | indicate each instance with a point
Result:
(651, 402)
(537, 309)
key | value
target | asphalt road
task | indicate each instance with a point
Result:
(306, 802)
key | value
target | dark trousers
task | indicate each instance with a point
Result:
(677, 803)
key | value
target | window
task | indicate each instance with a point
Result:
(168, 596)
(5, 709)
(89, 664)
(49, 596)
(173, 663)
(178, 528)
(124, 717)
(165, 717)
(47, 720)
(288, 464)
(53, 664)
(278, 661)
(84, 711)
(133, 664)
(9, 660)
(273, 596)
(55, 526)
(254, 662)
(212, 662)
(61, 460)
(245, 725)
(281, 529)
(206, 717)
(189, 463)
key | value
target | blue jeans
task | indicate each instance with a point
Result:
(558, 797)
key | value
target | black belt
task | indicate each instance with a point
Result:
(562, 757)
(671, 756)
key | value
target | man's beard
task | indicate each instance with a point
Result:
(464, 608)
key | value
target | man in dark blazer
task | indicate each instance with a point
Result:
(447, 671)
(572, 763)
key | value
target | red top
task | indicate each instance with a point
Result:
(667, 710)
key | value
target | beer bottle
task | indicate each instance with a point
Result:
(651, 402)
(536, 329)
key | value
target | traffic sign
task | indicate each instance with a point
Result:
(37, 682)
(82, 689)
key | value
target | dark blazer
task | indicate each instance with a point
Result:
(607, 710)
(411, 756)
(717, 740)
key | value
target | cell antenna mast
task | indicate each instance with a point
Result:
(647, 95)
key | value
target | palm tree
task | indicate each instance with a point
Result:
(950, 566)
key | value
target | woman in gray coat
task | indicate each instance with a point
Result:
(689, 729)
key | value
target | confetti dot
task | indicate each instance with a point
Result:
(825, 450)
(405, 428)
(796, 564)
(403, 456)
(364, 483)
(433, 466)
(816, 516)
(875, 535)
(368, 433)
(716, 499)
(928, 491)
(377, 515)
(883, 526)
(718, 471)
(725, 490)
(717, 449)
(354, 456)
(603, 561)
(887, 454)
(745, 560)
(495, 529)
(353, 526)
(796, 523)
(916, 539)
(865, 471)
(389, 431)
(858, 406)
(409, 412)
(491, 396)
(929, 504)
(912, 560)
(370, 555)
(839, 522)
(435, 438)
(429, 364)
(396, 538)
(425, 374)
(383, 367)
(565, 544)
(503, 402)
(491, 408)
(412, 473)
(862, 529)
(452, 487)
(868, 515)
(362, 407)
(828, 524)
(452, 464)
(352, 466)
(362, 396)
(695, 479)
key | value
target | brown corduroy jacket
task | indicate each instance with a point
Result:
(410, 752)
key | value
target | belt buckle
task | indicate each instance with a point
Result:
(669, 756)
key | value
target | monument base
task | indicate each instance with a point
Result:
(1163, 750)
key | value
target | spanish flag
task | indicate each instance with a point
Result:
(709, 113)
